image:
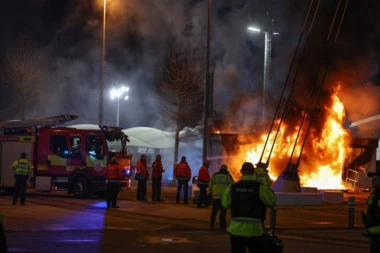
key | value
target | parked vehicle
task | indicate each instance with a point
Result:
(64, 158)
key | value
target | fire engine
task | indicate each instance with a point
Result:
(63, 158)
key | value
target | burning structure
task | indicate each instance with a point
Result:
(308, 143)
(328, 157)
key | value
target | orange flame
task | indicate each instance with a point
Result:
(323, 156)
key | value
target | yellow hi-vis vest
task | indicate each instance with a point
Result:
(22, 167)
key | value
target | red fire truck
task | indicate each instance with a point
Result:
(64, 158)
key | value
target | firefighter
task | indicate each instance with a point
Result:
(219, 182)
(261, 174)
(371, 217)
(113, 176)
(182, 172)
(3, 241)
(203, 179)
(247, 199)
(22, 170)
(157, 171)
(142, 176)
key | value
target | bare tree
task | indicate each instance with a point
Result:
(22, 72)
(180, 91)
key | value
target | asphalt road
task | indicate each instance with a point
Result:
(57, 223)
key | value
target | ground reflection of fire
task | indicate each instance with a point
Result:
(324, 154)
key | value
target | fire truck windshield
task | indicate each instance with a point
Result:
(115, 145)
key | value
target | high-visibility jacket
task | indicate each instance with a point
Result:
(22, 167)
(203, 174)
(247, 221)
(157, 169)
(372, 214)
(219, 182)
(261, 175)
(114, 172)
(182, 171)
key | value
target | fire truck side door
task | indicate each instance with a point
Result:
(76, 151)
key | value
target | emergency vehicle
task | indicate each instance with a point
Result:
(64, 158)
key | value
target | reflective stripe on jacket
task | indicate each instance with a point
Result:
(247, 226)
(182, 171)
(22, 167)
(219, 182)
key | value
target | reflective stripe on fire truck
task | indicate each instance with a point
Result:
(57, 161)
(98, 165)
(61, 163)
(26, 138)
(42, 167)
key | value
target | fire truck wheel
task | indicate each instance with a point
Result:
(81, 187)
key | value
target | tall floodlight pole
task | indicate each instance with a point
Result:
(207, 85)
(267, 63)
(267, 68)
(118, 94)
(101, 91)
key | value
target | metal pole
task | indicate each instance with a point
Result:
(118, 112)
(267, 67)
(207, 85)
(351, 212)
(102, 64)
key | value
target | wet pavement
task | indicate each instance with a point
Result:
(322, 228)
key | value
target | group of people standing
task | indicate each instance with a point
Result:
(247, 199)
(142, 176)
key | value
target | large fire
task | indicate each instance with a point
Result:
(323, 155)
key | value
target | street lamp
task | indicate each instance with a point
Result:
(101, 91)
(207, 109)
(119, 93)
(267, 62)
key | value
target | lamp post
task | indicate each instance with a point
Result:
(101, 91)
(119, 93)
(207, 110)
(267, 62)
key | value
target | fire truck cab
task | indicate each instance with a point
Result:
(65, 158)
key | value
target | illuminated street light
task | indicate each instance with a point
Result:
(119, 94)
(267, 62)
(101, 90)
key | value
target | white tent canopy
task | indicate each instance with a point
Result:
(141, 136)
(149, 137)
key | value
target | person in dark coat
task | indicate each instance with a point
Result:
(157, 171)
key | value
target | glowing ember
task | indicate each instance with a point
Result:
(324, 153)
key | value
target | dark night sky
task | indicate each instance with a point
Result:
(68, 32)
